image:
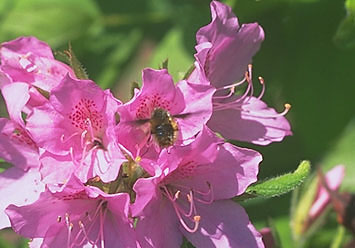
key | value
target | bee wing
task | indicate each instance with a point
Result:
(136, 122)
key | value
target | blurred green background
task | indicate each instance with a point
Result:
(307, 59)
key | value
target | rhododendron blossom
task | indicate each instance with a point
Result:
(224, 50)
(191, 104)
(79, 216)
(91, 171)
(78, 121)
(188, 196)
(31, 61)
(333, 179)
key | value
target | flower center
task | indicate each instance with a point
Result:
(147, 104)
(85, 116)
(129, 173)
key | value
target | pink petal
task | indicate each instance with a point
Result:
(16, 96)
(19, 188)
(198, 108)
(224, 224)
(333, 178)
(232, 46)
(30, 60)
(16, 147)
(160, 227)
(255, 123)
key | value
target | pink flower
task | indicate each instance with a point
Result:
(29, 60)
(76, 217)
(19, 188)
(224, 50)
(188, 196)
(189, 106)
(268, 238)
(16, 144)
(76, 127)
(333, 179)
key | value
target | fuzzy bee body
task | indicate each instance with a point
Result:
(163, 127)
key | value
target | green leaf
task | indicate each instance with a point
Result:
(55, 21)
(165, 64)
(300, 207)
(345, 34)
(172, 47)
(339, 237)
(343, 153)
(72, 60)
(186, 244)
(113, 64)
(278, 185)
(275, 234)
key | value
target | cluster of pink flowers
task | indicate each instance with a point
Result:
(90, 171)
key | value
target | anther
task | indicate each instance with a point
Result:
(138, 159)
(59, 219)
(262, 82)
(177, 194)
(287, 108)
(67, 219)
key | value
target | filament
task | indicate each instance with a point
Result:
(178, 210)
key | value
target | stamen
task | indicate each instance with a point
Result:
(103, 216)
(71, 152)
(82, 138)
(92, 220)
(178, 210)
(196, 220)
(177, 194)
(190, 199)
(174, 202)
(90, 128)
(248, 75)
(62, 138)
(59, 219)
(138, 159)
(208, 193)
(231, 92)
(85, 235)
(69, 227)
(250, 67)
(231, 86)
(262, 82)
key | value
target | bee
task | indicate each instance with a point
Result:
(163, 127)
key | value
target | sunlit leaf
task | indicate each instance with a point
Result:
(345, 34)
(75, 64)
(343, 153)
(278, 185)
(55, 21)
(171, 47)
(300, 207)
(338, 238)
(112, 65)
